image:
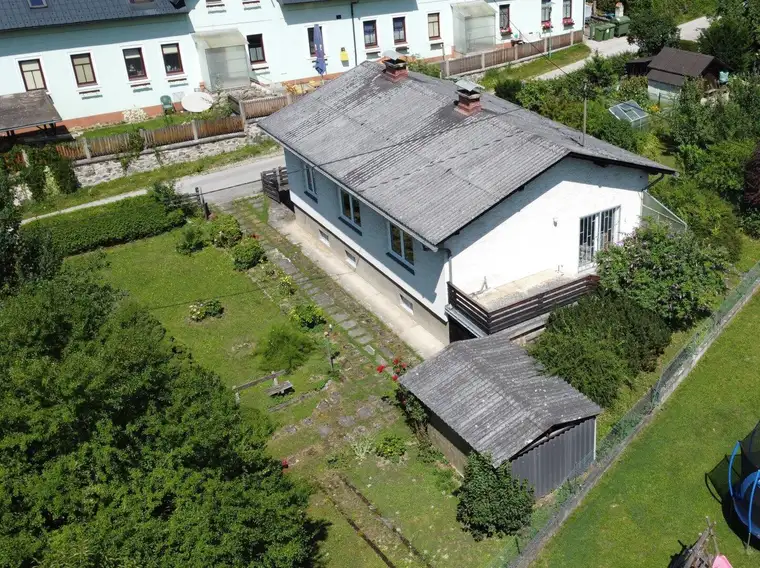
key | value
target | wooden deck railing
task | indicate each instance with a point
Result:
(493, 321)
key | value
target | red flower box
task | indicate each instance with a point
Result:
(546, 25)
(568, 22)
(505, 31)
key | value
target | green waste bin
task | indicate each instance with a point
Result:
(621, 25)
(598, 34)
(604, 32)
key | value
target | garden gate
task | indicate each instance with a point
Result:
(274, 184)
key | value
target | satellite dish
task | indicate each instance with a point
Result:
(197, 102)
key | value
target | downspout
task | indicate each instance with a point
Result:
(353, 32)
(450, 263)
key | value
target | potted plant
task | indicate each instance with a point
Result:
(546, 25)
(506, 31)
(567, 22)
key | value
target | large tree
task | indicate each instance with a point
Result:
(116, 449)
(652, 28)
(731, 40)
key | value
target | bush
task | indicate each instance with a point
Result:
(166, 194)
(247, 254)
(285, 347)
(390, 447)
(751, 197)
(224, 231)
(427, 452)
(191, 239)
(203, 309)
(420, 66)
(634, 89)
(106, 225)
(750, 222)
(672, 274)
(307, 315)
(491, 501)
(286, 285)
(600, 343)
(509, 89)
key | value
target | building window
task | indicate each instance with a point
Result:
(597, 232)
(324, 237)
(370, 33)
(434, 26)
(546, 11)
(504, 18)
(567, 10)
(312, 45)
(311, 187)
(406, 303)
(83, 70)
(350, 259)
(37, 4)
(133, 59)
(172, 59)
(256, 48)
(402, 245)
(31, 71)
(350, 209)
(399, 30)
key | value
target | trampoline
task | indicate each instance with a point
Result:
(743, 486)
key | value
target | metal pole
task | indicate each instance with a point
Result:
(353, 32)
(585, 113)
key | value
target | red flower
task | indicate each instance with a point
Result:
(395, 377)
(380, 368)
(403, 365)
(284, 464)
(395, 361)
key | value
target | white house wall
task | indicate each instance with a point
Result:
(537, 229)
(113, 92)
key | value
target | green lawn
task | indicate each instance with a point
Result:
(152, 124)
(145, 179)
(657, 494)
(537, 66)
(155, 275)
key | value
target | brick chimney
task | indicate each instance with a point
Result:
(468, 102)
(395, 70)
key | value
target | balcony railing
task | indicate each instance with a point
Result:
(493, 321)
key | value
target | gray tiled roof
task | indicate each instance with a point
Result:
(16, 14)
(22, 110)
(681, 62)
(405, 149)
(494, 395)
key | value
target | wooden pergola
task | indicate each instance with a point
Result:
(24, 111)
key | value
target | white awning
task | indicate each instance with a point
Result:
(474, 10)
(221, 38)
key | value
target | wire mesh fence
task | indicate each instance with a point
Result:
(580, 482)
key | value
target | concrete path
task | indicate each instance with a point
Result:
(689, 30)
(219, 186)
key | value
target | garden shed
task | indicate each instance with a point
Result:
(489, 395)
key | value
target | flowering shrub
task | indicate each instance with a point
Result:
(134, 115)
(247, 254)
(414, 410)
(225, 231)
(308, 315)
(390, 447)
(287, 286)
(203, 309)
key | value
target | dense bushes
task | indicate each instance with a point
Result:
(224, 230)
(107, 225)
(673, 274)
(491, 501)
(191, 239)
(44, 173)
(247, 254)
(600, 343)
(285, 347)
(307, 315)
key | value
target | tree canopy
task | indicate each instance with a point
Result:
(652, 28)
(117, 449)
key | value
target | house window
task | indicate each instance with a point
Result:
(324, 237)
(350, 259)
(504, 17)
(402, 245)
(546, 11)
(83, 70)
(399, 30)
(133, 59)
(597, 231)
(312, 45)
(434, 26)
(406, 303)
(31, 71)
(256, 48)
(350, 209)
(172, 59)
(370, 33)
(311, 188)
(567, 10)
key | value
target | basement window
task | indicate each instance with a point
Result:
(350, 259)
(324, 238)
(406, 303)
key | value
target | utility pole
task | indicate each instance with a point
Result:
(585, 113)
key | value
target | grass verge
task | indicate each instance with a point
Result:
(661, 489)
(152, 124)
(537, 66)
(145, 179)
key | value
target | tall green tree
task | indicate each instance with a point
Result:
(652, 28)
(730, 39)
(116, 449)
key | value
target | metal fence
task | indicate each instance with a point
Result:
(621, 434)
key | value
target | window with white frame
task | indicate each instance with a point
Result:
(434, 25)
(597, 232)
(546, 10)
(31, 72)
(567, 9)
(133, 59)
(402, 245)
(399, 29)
(370, 33)
(350, 209)
(83, 69)
(504, 17)
(308, 175)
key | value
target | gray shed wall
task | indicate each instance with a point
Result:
(552, 462)
(448, 442)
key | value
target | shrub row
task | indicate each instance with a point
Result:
(107, 225)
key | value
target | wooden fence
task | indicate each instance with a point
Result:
(491, 322)
(86, 148)
(257, 108)
(274, 184)
(485, 60)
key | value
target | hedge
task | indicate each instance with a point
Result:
(106, 225)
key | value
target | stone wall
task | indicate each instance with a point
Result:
(107, 168)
